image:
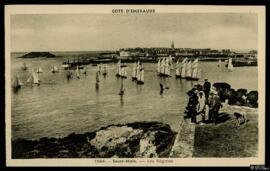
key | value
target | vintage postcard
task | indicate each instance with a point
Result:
(137, 85)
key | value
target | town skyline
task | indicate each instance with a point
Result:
(101, 32)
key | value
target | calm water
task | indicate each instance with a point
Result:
(59, 107)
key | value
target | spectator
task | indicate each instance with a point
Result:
(206, 88)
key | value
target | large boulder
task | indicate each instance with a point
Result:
(252, 98)
(231, 96)
(222, 88)
(139, 139)
(241, 96)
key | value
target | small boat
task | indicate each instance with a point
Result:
(85, 71)
(78, 72)
(219, 63)
(105, 72)
(118, 69)
(24, 67)
(140, 79)
(54, 69)
(99, 68)
(69, 74)
(134, 72)
(33, 79)
(97, 78)
(16, 84)
(230, 65)
(122, 90)
(39, 70)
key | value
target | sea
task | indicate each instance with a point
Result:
(59, 106)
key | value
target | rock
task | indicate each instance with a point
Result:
(222, 88)
(139, 139)
(252, 98)
(241, 96)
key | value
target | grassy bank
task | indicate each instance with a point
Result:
(225, 139)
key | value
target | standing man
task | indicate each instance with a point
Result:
(206, 88)
(214, 106)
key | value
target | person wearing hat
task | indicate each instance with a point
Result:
(206, 88)
(214, 106)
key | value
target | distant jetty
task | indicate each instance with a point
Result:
(38, 55)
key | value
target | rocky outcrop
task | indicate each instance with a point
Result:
(239, 97)
(139, 139)
(38, 54)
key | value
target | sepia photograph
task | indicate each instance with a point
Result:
(137, 85)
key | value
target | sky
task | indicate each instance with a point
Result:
(91, 32)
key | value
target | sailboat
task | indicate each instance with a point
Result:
(171, 62)
(99, 68)
(85, 71)
(194, 66)
(24, 67)
(167, 67)
(68, 74)
(122, 90)
(183, 68)
(105, 72)
(140, 79)
(158, 67)
(55, 69)
(189, 70)
(16, 83)
(118, 69)
(33, 79)
(97, 78)
(134, 71)
(123, 72)
(39, 70)
(230, 65)
(78, 72)
(219, 63)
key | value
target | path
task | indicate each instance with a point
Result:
(184, 142)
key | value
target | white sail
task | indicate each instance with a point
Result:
(189, 69)
(39, 70)
(230, 65)
(134, 70)
(138, 74)
(183, 70)
(171, 62)
(35, 78)
(219, 63)
(118, 67)
(125, 72)
(55, 68)
(30, 79)
(142, 75)
(16, 83)
(195, 68)
(177, 73)
(77, 72)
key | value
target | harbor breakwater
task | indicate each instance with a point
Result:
(139, 139)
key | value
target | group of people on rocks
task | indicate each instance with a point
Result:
(204, 102)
